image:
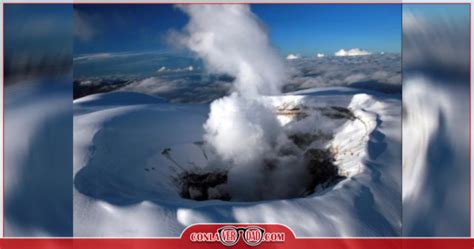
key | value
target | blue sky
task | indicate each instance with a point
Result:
(303, 29)
(308, 29)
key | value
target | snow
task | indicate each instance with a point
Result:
(123, 183)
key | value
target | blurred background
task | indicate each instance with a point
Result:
(38, 41)
(436, 93)
(38, 119)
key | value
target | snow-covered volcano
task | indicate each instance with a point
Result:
(141, 167)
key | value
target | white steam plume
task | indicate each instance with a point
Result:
(231, 40)
(242, 127)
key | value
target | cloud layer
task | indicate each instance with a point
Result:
(190, 89)
(179, 84)
(377, 71)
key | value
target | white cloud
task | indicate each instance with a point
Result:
(105, 56)
(97, 56)
(152, 86)
(319, 55)
(164, 69)
(351, 52)
(292, 57)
